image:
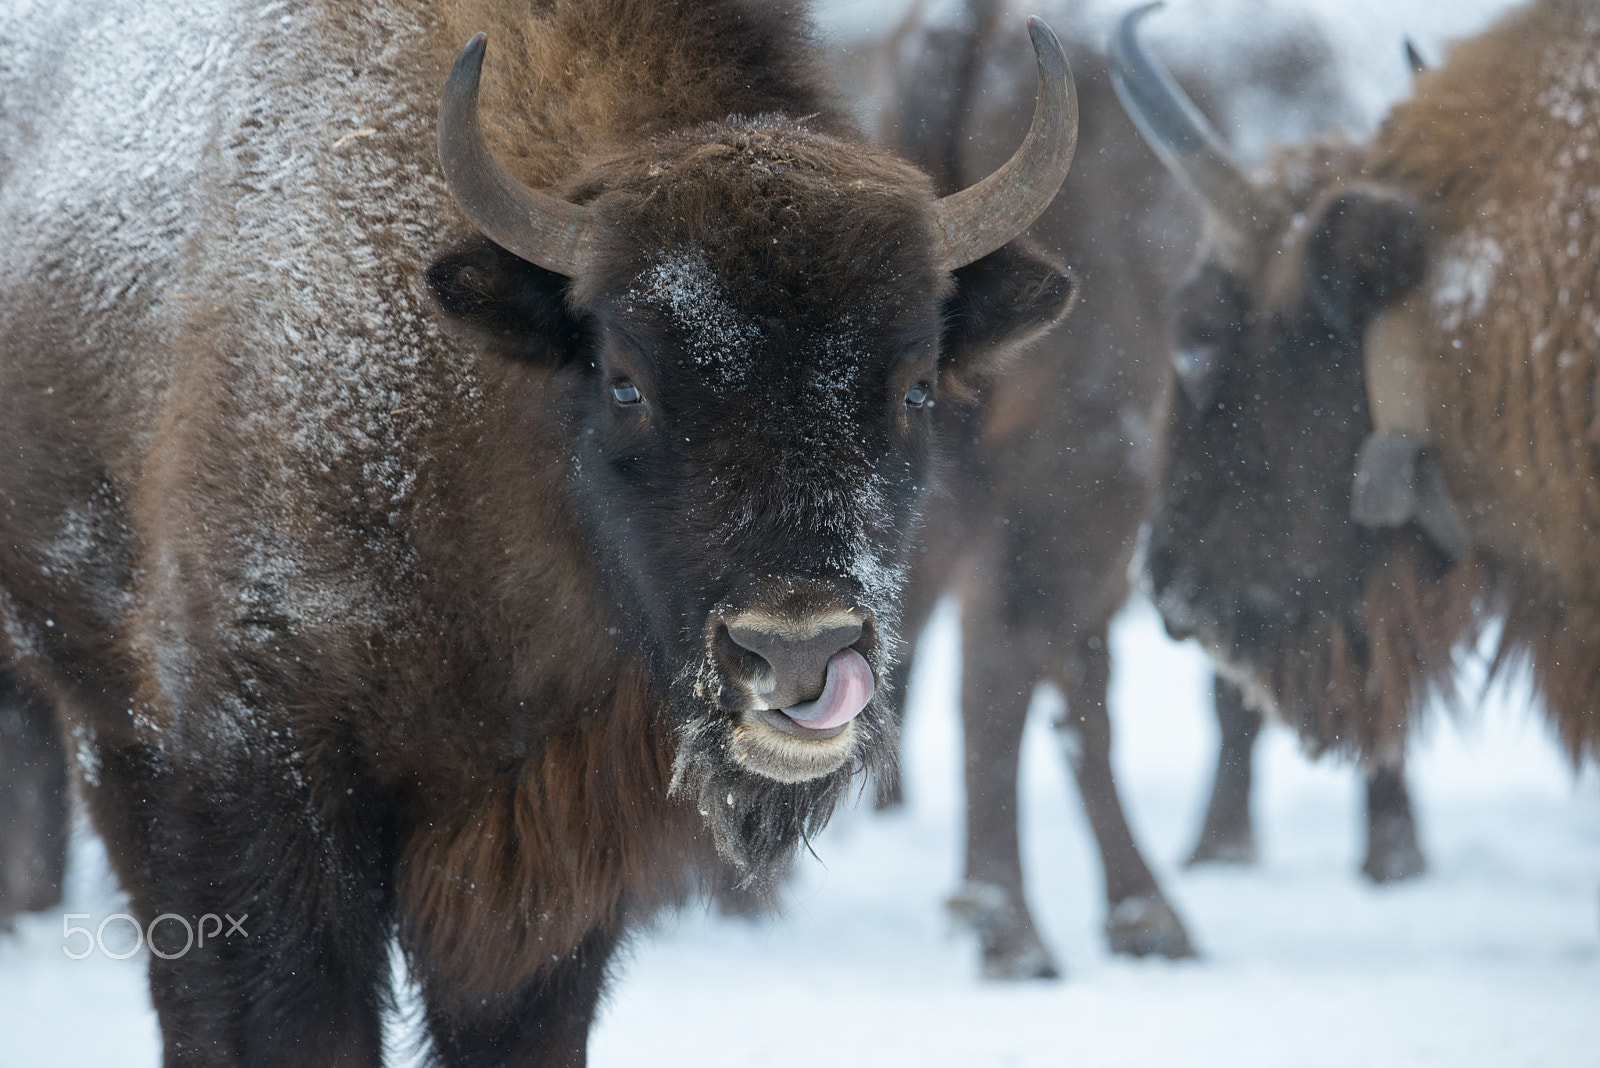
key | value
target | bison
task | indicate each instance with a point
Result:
(1047, 481)
(1051, 472)
(1388, 355)
(482, 550)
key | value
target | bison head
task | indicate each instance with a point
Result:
(753, 319)
(1253, 547)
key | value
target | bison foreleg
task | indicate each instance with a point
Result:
(1228, 835)
(33, 803)
(998, 678)
(545, 1025)
(265, 889)
(1139, 920)
(1392, 850)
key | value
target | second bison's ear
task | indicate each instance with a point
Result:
(1000, 303)
(1366, 248)
(514, 306)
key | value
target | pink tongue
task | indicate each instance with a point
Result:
(846, 692)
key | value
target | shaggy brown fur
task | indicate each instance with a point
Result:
(1508, 165)
(330, 530)
(1468, 220)
(548, 852)
(576, 80)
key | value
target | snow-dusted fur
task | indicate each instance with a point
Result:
(364, 603)
(1474, 212)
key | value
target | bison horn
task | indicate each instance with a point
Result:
(536, 226)
(1180, 135)
(982, 217)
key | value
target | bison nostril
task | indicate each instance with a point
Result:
(796, 657)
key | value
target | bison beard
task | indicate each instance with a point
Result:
(754, 821)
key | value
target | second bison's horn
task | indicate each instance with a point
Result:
(536, 226)
(982, 217)
(1180, 135)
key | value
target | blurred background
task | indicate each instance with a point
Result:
(1491, 957)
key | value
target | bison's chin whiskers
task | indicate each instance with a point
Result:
(731, 772)
(787, 756)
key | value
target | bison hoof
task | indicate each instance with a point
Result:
(1005, 963)
(1393, 862)
(1224, 849)
(1011, 947)
(1146, 927)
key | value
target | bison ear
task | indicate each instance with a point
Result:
(514, 306)
(1000, 303)
(1366, 249)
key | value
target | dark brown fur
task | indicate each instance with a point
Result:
(326, 530)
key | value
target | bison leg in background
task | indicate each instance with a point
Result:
(33, 804)
(1392, 850)
(890, 790)
(1139, 921)
(1001, 664)
(1228, 836)
(920, 598)
(545, 1026)
(998, 677)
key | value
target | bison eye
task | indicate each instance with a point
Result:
(919, 396)
(626, 393)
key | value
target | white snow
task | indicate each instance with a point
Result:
(1491, 959)
(1465, 276)
(685, 287)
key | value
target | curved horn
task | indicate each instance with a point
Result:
(536, 226)
(1414, 59)
(982, 217)
(1179, 134)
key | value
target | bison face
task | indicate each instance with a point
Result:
(755, 333)
(1252, 545)
(753, 452)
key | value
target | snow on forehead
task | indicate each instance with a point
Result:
(687, 291)
(724, 342)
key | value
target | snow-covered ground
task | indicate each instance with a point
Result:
(1492, 959)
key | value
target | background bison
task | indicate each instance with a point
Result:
(1052, 472)
(481, 583)
(1389, 355)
